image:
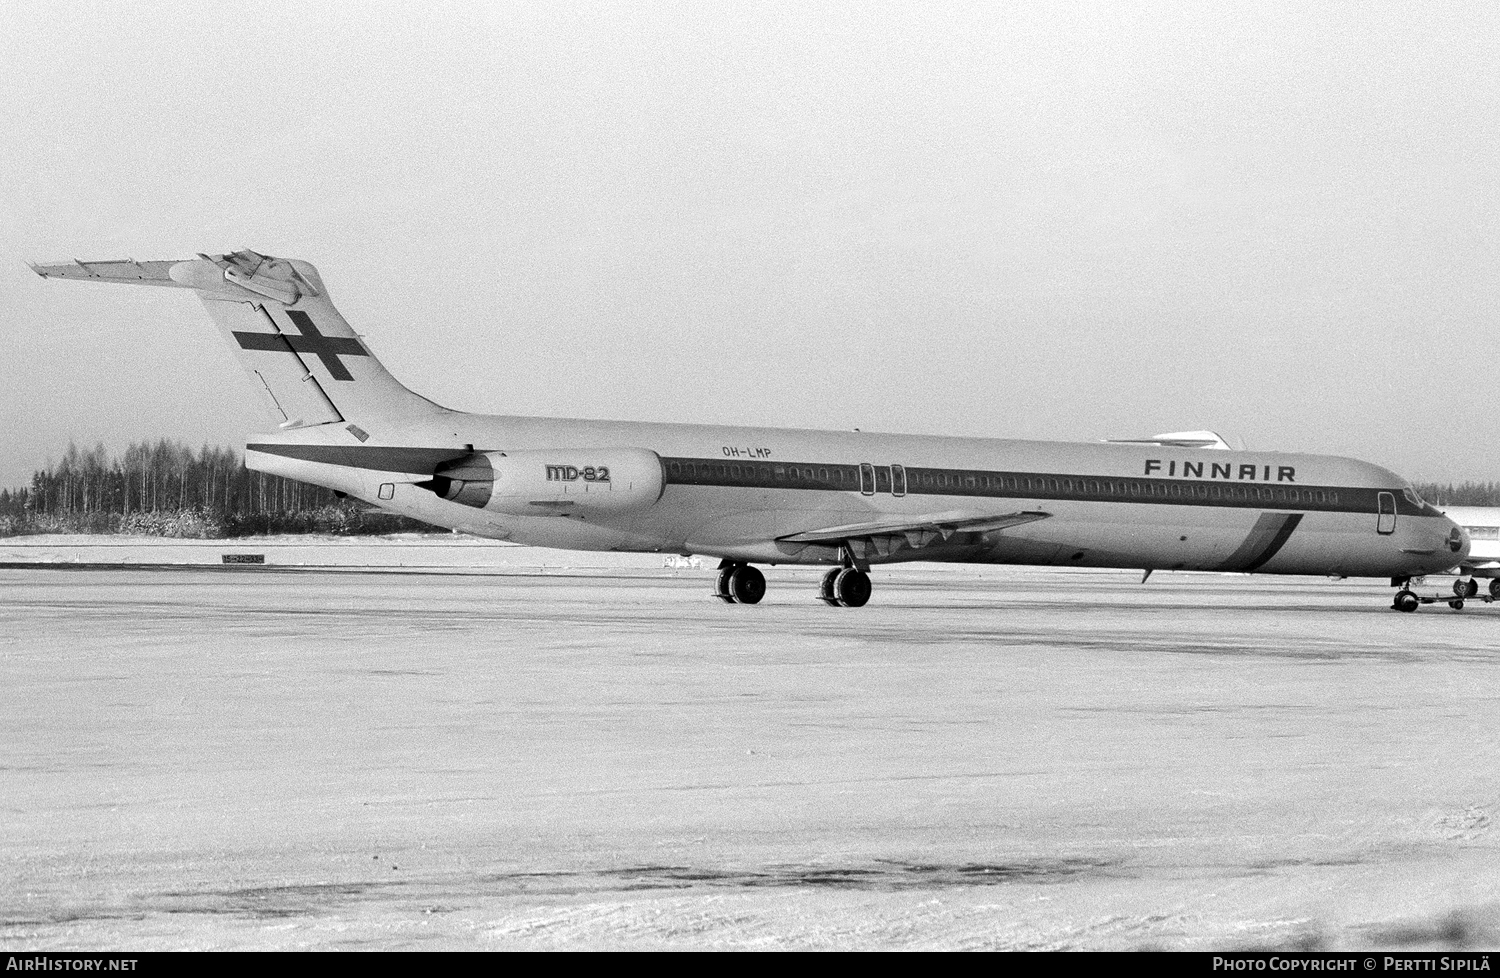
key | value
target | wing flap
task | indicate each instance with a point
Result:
(919, 531)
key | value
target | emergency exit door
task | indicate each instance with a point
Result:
(882, 478)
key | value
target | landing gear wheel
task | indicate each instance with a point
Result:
(1495, 588)
(1405, 601)
(826, 595)
(1457, 604)
(721, 584)
(1466, 589)
(747, 585)
(851, 588)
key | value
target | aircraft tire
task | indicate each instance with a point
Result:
(1465, 589)
(747, 585)
(1457, 604)
(1405, 601)
(825, 589)
(1495, 588)
(721, 585)
(1472, 589)
(852, 588)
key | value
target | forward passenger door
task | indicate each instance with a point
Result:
(1385, 521)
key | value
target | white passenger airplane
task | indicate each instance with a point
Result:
(1482, 524)
(750, 496)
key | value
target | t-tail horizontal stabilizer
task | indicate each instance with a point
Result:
(275, 312)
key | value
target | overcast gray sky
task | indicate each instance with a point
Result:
(1038, 220)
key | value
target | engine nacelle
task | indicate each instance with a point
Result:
(552, 483)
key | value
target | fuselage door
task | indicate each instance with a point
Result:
(867, 478)
(898, 480)
(1386, 521)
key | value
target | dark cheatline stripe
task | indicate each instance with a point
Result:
(1269, 534)
(366, 457)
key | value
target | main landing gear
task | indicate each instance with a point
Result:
(845, 587)
(739, 583)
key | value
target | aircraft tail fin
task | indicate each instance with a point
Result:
(299, 352)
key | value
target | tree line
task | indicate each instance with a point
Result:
(1459, 494)
(167, 488)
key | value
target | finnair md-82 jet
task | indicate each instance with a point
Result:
(847, 500)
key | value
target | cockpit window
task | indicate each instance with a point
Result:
(1411, 495)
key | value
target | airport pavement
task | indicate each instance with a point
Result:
(981, 758)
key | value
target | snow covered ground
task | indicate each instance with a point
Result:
(597, 754)
(402, 551)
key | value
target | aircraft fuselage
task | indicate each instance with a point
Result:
(736, 493)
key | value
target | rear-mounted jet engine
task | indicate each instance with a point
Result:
(542, 483)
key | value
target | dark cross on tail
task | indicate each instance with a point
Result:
(327, 349)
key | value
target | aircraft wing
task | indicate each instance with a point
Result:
(918, 531)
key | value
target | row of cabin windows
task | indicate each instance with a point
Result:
(837, 475)
(765, 473)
